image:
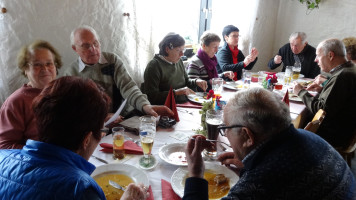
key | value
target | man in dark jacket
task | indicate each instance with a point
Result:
(280, 162)
(297, 51)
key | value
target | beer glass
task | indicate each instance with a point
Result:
(288, 75)
(296, 70)
(213, 120)
(147, 134)
(118, 135)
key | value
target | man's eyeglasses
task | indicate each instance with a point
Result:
(87, 46)
(39, 65)
(222, 128)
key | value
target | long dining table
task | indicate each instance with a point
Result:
(179, 133)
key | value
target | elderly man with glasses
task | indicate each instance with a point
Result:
(107, 70)
(280, 162)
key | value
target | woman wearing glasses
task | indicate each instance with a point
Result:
(167, 70)
(39, 62)
(230, 58)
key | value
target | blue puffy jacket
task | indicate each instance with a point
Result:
(45, 171)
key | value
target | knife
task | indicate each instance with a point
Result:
(100, 159)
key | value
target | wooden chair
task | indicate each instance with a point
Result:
(348, 152)
(316, 121)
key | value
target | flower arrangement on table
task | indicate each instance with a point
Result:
(270, 81)
(208, 105)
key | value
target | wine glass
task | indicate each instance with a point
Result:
(147, 134)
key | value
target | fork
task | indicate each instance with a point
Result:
(208, 140)
(115, 185)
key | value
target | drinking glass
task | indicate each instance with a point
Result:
(288, 75)
(296, 70)
(213, 120)
(247, 79)
(217, 85)
(118, 135)
(147, 134)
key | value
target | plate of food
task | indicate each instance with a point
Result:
(294, 97)
(219, 177)
(173, 154)
(198, 97)
(122, 174)
(238, 85)
(304, 83)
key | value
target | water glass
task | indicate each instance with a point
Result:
(217, 85)
(118, 135)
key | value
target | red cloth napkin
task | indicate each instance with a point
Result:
(129, 146)
(150, 197)
(168, 192)
(286, 98)
(190, 105)
(171, 103)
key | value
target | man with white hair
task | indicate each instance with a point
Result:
(107, 70)
(280, 162)
(297, 51)
(337, 97)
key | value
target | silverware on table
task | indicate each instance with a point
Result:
(214, 141)
(100, 159)
(115, 185)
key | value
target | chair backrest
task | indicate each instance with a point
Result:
(316, 121)
(352, 145)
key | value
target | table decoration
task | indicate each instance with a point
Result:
(270, 81)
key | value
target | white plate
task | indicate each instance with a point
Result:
(198, 97)
(137, 175)
(173, 154)
(233, 85)
(179, 176)
(293, 97)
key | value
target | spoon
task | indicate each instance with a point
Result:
(208, 140)
(115, 185)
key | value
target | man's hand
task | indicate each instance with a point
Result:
(202, 84)
(155, 110)
(229, 74)
(193, 154)
(319, 79)
(228, 159)
(297, 88)
(314, 87)
(135, 192)
(183, 91)
(277, 59)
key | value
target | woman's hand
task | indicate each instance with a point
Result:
(135, 192)
(229, 74)
(183, 91)
(202, 84)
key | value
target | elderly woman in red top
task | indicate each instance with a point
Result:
(230, 58)
(39, 62)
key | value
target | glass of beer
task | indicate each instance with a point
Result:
(288, 75)
(147, 134)
(213, 120)
(296, 71)
(118, 135)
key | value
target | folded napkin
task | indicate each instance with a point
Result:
(286, 98)
(171, 103)
(168, 192)
(150, 197)
(189, 104)
(129, 146)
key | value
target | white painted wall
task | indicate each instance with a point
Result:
(131, 38)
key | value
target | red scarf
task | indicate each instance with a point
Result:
(234, 52)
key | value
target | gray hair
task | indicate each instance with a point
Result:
(82, 27)
(301, 35)
(260, 110)
(209, 37)
(334, 45)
